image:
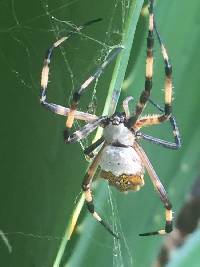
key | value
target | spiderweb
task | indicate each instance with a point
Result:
(29, 29)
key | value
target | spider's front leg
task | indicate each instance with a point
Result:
(134, 121)
(71, 112)
(137, 123)
(86, 186)
(168, 89)
(58, 109)
(81, 90)
(161, 191)
(84, 131)
(149, 71)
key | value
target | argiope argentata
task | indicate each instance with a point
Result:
(120, 157)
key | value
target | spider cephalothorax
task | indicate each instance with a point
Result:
(117, 118)
(119, 155)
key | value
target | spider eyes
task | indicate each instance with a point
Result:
(117, 119)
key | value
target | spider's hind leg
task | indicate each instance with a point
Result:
(84, 131)
(81, 90)
(86, 187)
(161, 191)
(168, 87)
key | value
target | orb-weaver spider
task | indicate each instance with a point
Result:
(120, 157)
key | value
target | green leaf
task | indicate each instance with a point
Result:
(41, 176)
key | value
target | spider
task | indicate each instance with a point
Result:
(120, 157)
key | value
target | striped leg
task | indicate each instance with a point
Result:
(83, 87)
(161, 191)
(60, 110)
(86, 186)
(168, 87)
(161, 142)
(45, 72)
(149, 71)
(85, 130)
(88, 151)
(151, 121)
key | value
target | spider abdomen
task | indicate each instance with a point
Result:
(122, 167)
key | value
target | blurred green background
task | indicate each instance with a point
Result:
(41, 176)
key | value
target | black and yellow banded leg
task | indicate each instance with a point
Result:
(88, 151)
(168, 225)
(168, 86)
(84, 131)
(149, 71)
(154, 120)
(148, 120)
(45, 71)
(80, 91)
(161, 191)
(171, 145)
(86, 187)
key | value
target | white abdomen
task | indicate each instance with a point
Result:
(121, 160)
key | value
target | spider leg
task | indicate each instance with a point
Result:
(161, 191)
(152, 120)
(84, 131)
(86, 187)
(168, 87)
(45, 78)
(148, 83)
(60, 110)
(149, 71)
(77, 94)
(171, 145)
(126, 107)
(88, 150)
(161, 142)
(155, 105)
